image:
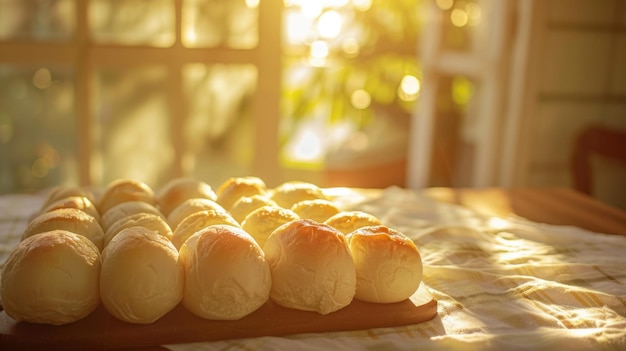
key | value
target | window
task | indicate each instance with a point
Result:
(95, 90)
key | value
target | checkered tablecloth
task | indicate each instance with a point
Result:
(501, 283)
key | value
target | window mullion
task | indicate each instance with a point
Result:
(85, 145)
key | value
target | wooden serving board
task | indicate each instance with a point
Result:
(100, 330)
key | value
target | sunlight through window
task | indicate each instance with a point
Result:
(409, 88)
(329, 24)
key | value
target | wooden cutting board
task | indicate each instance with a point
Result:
(102, 331)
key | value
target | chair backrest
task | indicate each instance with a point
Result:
(595, 140)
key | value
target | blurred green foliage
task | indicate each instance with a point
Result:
(388, 35)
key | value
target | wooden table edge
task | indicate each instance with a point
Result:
(558, 206)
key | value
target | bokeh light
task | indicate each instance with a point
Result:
(459, 17)
(445, 4)
(329, 24)
(409, 88)
(311, 8)
(362, 5)
(474, 14)
(318, 52)
(351, 47)
(360, 99)
(252, 4)
(462, 91)
(42, 78)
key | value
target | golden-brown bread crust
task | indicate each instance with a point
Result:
(388, 264)
(243, 273)
(141, 278)
(312, 267)
(127, 209)
(198, 221)
(318, 210)
(178, 190)
(122, 190)
(349, 221)
(70, 219)
(51, 278)
(63, 191)
(261, 222)
(78, 202)
(246, 204)
(291, 192)
(189, 207)
(147, 220)
(235, 188)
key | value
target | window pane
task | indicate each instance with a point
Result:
(133, 119)
(211, 23)
(37, 128)
(132, 22)
(37, 20)
(219, 130)
(350, 83)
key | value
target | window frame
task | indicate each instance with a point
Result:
(86, 56)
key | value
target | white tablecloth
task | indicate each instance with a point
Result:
(500, 283)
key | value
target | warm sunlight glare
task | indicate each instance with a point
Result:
(319, 49)
(498, 223)
(362, 5)
(190, 36)
(409, 88)
(318, 53)
(308, 147)
(298, 26)
(329, 24)
(311, 8)
(252, 4)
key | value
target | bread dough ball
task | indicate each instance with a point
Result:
(235, 188)
(227, 277)
(51, 278)
(312, 268)
(261, 222)
(349, 221)
(62, 192)
(127, 209)
(388, 264)
(246, 204)
(141, 277)
(289, 193)
(189, 207)
(70, 219)
(78, 202)
(200, 220)
(178, 190)
(318, 210)
(146, 220)
(122, 190)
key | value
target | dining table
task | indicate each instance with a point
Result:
(503, 269)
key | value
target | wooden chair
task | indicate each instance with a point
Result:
(595, 140)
